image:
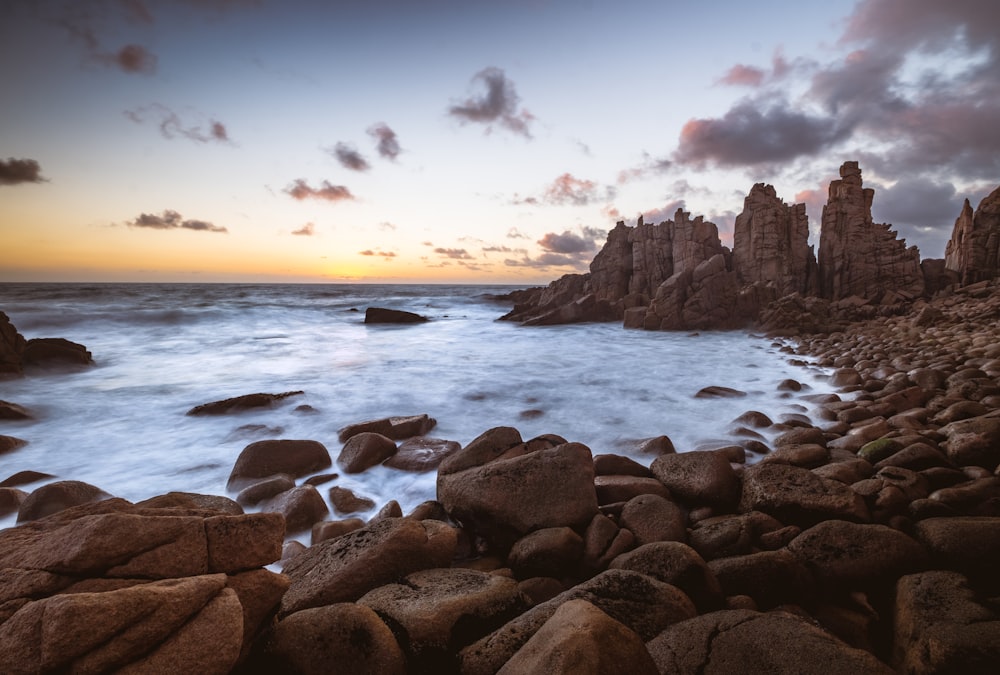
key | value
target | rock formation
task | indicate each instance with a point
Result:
(860, 257)
(974, 248)
(16, 352)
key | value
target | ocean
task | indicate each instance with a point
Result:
(161, 349)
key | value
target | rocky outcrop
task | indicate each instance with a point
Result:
(16, 352)
(858, 256)
(11, 347)
(241, 403)
(973, 251)
(383, 315)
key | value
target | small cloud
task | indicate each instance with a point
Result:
(514, 233)
(387, 144)
(497, 105)
(428, 243)
(16, 171)
(743, 76)
(567, 242)
(649, 165)
(300, 190)
(454, 253)
(172, 220)
(171, 125)
(130, 59)
(380, 253)
(306, 230)
(497, 249)
(663, 213)
(386, 226)
(349, 157)
(567, 189)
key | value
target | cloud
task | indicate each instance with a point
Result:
(386, 226)
(568, 190)
(921, 210)
(514, 233)
(663, 213)
(744, 76)
(387, 144)
(172, 220)
(16, 171)
(380, 253)
(349, 157)
(650, 165)
(130, 59)
(306, 230)
(171, 125)
(497, 105)
(454, 253)
(756, 132)
(567, 242)
(300, 190)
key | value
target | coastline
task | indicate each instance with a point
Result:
(836, 538)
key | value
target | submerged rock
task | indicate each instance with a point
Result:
(382, 315)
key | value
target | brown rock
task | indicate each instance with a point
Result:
(10, 443)
(797, 496)
(974, 441)
(383, 315)
(677, 564)
(54, 352)
(302, 507)
(345, 568)
(195, 624)
(506, 498)
(24, 478)
(436, 612)
(652, 518)
(771, 578)
(263, 459)
(57, 496)
(364, 451)
(612, 489)
(941, 627)
(973, 251)
(11, 347)
(618, 465)
(716, 391)
(264, 489)
(192, 501)
(323, 639)
(422, 454)
(722, 537)
(730, 641)
(345, 501)
(549, 552)
(259, 592)
(699, 478)
(13, 411)
(580, 638)
(970, 545)
(332, 529)
(641, 603)
(241, 403)
(11, 500)
(853, 555)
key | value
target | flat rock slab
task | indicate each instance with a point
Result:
(797, 496)
(240, 403)
(383, 315)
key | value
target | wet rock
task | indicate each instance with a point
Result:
(549, 552)
(716, 391)
(602, 542)
(677, 564)
(345, 568)
(271, 457)
(302, 507)
(269, 487)
(970, 545)
(617, 465)
(730, 641)
(941, 626)
(699, 478)
(55, 497)
(383, 315)
(331, 529)
(974, 441)
(11, 500)
(611, 489)
(771, 578)
(797, 496)
(11, 346)
(55, 352)
(652, 518)
(807, 455)
(13, 411)
(396, 428)
(192, 501)
(436, 612)
(580, 638)
(10, 443)
(24, 478)
(323, 639)
(364, 451)
(345, 501)
(241, 403)
(421, 454)
(754, 420)
(492, 444)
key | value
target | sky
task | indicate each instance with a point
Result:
(466, 141)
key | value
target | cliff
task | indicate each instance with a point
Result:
(974, 249)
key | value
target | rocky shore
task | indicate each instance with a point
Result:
(863, 539)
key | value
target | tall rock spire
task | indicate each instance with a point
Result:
(859, 257)
(974, 248)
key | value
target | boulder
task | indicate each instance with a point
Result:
(345, 501)
(302, 507)
(549, 552)
(797, 496)
(641, 603)
(265, 489)
(504, 499)
(13, 411)
(55, 497)
(743, 641)
(364, 451)
(324, 639)
(263, 459)
(580, 638)
(383, 315)
(612, 489)
(940, 626)
(55, 352)
(436, 612)
(853, 555)
(240, 403)
(652, 518)
(11, 347)
(974, 441)
(677, 564)
(345, 568)
(771, 578)
(619, 465)
(11, 500)
(10, 443)
(699, 478)
(24, 478)
(967, 544)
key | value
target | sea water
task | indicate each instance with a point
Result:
(161, 349)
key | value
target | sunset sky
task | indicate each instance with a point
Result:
(474, 141)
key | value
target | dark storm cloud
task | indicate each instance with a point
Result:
(171, 126)
(566, 243)
(753, 133)
(387, 144)
(300, 189)
(16, 171)
(454, 253)
(497, 105)
(919, 95)
(172, 220)
(306, 230)
(921, 210)
(349, 157)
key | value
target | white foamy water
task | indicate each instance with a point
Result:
(161, 349)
